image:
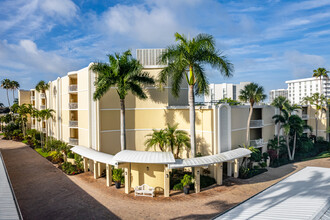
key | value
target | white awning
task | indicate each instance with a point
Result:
(131, 156)
(94, 155)
(303, 195)
(212, 159)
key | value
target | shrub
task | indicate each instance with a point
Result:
(117, 175)
(263, 164)
(178, 186)
(79, 164)
(42, 152)
(320, 139)
(186, 180)
(68, 168)
(207, 181)
(70, 155)
(57, 157)
(255, 155)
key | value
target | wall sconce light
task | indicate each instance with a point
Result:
(126, 173)
(166, 175)
(197, 172)
(147, 168)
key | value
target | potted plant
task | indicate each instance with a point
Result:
(186, 181)
(117, 176)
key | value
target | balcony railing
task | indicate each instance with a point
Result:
(73, 105)
(33, 98)
(42, 107)
(306, 130)
(42, 95)
(304, 116)
(43, 130)
(73, 141)
(73, 123)
(73, 88)
(33, 126)
(256, 123)
(257, 143)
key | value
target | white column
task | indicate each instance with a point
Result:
(128, 178)
(95, 169)
(197, 179)
(229, 168)
(166, 182)
(236, 168)
(219, 171)
(85, 161)
(99, 170)
(109, 174)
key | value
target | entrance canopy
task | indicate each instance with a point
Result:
(94, 155)
(212, 159)
(132, 156)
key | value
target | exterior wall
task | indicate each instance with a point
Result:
(224, 90)
(151, 174)
(24, 97)
(323, 122)
(276, 93)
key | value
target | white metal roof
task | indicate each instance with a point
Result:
(212, 159)
(303, 195)
(131, 156)
(93, 154)
(8, 205)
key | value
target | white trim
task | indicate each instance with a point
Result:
(161, 108)
(240, 129)
(75, 109)
(150, 129)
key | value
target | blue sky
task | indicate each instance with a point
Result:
(268, 42)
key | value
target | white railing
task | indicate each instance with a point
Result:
(33, 127)
(256, 123)
(42, 95)
(304, 116)
(73, 123)
(43, 130)
(73, 141)
(257, 143)
(33, 98)
(73, 105)
(42, 107)
(73, 88)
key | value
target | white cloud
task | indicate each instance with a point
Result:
(63, 8)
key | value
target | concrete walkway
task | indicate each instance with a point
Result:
(43, 191)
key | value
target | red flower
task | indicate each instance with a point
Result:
(73, 172)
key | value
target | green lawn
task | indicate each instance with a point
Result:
(44, 154)
(324, 154)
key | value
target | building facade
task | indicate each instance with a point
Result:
(224, 90)
(300, 88)
(276, 93)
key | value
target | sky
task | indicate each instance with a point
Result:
(268, 41)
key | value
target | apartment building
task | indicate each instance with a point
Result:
(300, 88)
(276, 93)
(224, 90)
(81, 121)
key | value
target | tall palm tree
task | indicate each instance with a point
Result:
(2, 105)
(187, 60)
(252, 93)
(321, 73)
(320, 102)
(14, 85)
(157, 139)
(42, 87)
(126, 74)
(24, 111)
(46, 115)
(6, 84)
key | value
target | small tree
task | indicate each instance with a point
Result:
(42, 87)
(320, 73)
(157, 139)
(6, 84)
(252, 93)
(14, 86)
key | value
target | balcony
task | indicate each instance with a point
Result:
(73, 105)
(257, 143)
(42, 95)
(304, 116)
(33, 126)
(73, 88)
(73, 123)
(256, 123)
(43, 130)
(33, 98)
(73, 141)
(306, 130)
(42, 107)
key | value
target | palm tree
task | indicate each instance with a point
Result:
(187, 60)
(320, 102)
(46, 115)
(42, 87)
(157, 138)
(14, 85)
(252, 93)
(125, 73)
(6, 84)
(2, 105)
(23, 111)
(182, 140)
(176, 138)
(321, 73)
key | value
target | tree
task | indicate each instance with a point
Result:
(187, 59)
(14, 85)
(6, 84)
(157, 139)
(42, 87)
(126, 74)
(23, 111)
(47, 114)
(252, 93)
(320, 73)
(320, 102)
(2, 105)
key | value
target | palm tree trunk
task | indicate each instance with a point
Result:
(122, 125)
(247, 141)
(294, 145)
(13, 95)
(316, 125)
(192, 120)
(278, 138)
(8, 98)
(287, 145)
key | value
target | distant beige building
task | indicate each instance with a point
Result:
(276, 93)
(224, 90)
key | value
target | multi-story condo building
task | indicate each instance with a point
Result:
(276, 93)
(95, 125)
(300, 88)
(224, 90)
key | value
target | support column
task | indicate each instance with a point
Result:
(219, 171)
(166, 182)
(95, 170)
(109, 174)
(128, 178)
(236, 168)
(197, 179)
(99, 170)
(85, 161)
(229, 168)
